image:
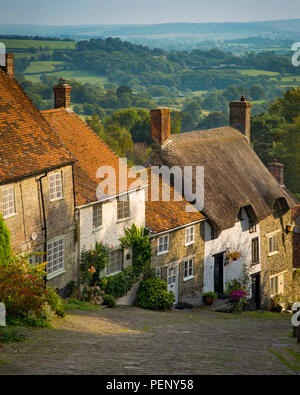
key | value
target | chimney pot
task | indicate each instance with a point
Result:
(9, 66)
(160, 125)
(240, 116)
(62, 94)
(277, 171)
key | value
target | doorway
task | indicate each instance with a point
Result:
(256, 290)
(173, 280)
(219, 273)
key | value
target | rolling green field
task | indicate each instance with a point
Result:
(25, 44)
(43, 66)
(78, 75)
(254, 73)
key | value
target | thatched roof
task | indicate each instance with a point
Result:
(234, 176)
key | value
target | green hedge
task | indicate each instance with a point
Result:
(153, 294)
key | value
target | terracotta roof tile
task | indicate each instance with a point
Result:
(162, 216)
(28, 145)
(90, 151)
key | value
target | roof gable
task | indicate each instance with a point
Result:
(28, 145)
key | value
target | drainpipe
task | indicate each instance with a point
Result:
(45, 222)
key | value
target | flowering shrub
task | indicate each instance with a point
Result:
(92, 262)
(22, 286)
(23, 292)
(92, 295)
(238, 295)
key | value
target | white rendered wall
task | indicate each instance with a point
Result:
(111, 229)
(237, 238)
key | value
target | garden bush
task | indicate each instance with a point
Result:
(13, 334)
(55, 302)
(23, 292)
(153, 294)
(109, 301)
(5, 246)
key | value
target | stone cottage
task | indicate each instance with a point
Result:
(246, 210)
(177, 242)
(98, 218)
(36, 182)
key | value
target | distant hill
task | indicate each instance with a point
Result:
(286, 27)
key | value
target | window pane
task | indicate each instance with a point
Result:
(8, 201)
(123, 208)
(55, 256)
(55, 186)
(97, 215)
(115, 262)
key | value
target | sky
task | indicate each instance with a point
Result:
(82, 12)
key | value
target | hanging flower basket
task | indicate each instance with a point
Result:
(232, 256)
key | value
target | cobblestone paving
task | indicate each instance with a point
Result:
(128, 340)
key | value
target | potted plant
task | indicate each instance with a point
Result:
(209, 298)
(232, 256)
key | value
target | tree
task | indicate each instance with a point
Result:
(5, 246)
(124, 90)
(194, 109)
(287, 151)
(213, 120)
(288, 106)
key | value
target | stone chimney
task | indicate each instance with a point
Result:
(240, 116)
(160, 125)
(9, 66)
(277, 171)
(62, 94)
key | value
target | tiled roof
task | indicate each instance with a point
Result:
(90, 151)
(27, 143)
(162, 215)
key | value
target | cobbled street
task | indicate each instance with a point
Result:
(129, 340)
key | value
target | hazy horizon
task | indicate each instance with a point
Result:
(141, 12)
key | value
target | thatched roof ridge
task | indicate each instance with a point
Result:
(234, 175)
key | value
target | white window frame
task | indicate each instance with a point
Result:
(118, 251)
(280, 286)
(190, 235)
(97, 215)
(57, 191)
(121, 201)
(164, 244)
(11, 202)
(61, 242)
(188, 268)
(271, 236)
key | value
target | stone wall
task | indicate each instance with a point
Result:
(280, 262)
(29, 220)
(189, 291)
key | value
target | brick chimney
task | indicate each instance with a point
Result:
(277, 171)
(62, 94)
(240, 116)
(9, 66)
(160, 125)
